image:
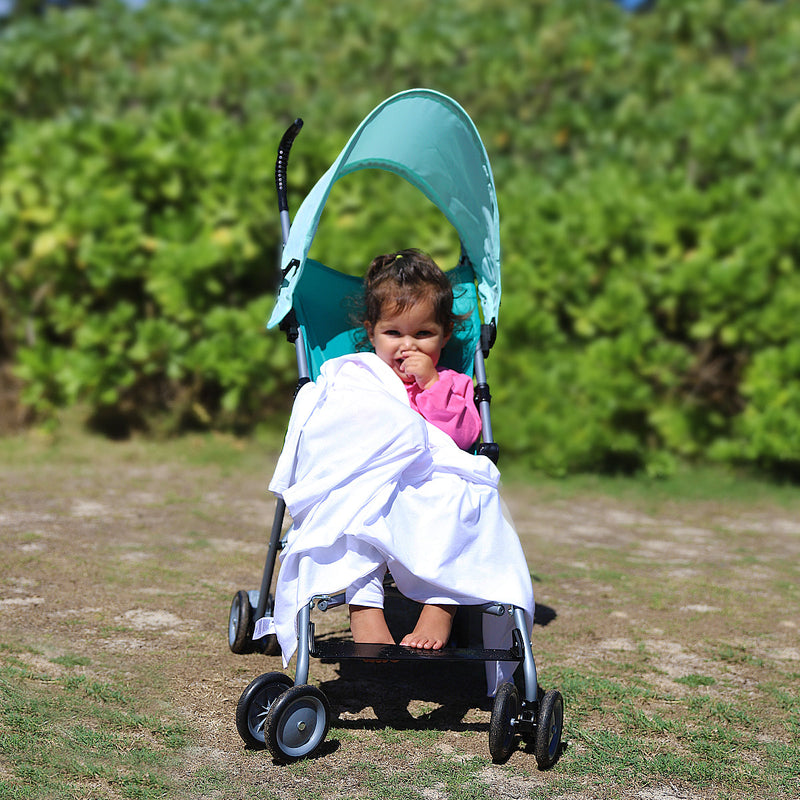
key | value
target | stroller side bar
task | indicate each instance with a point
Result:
(488, 447)
(528, 663)
(483, 396)
(264, 599)
(302, 359)
(294, 334)
(305, 644)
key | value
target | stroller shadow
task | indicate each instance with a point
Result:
(453, 690)
(543, 615)
(390, 689)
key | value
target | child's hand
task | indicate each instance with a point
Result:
(420, 367)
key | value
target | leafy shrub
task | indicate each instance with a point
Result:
(139, 274)
(646, 168)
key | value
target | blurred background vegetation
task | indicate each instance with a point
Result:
(647, 171)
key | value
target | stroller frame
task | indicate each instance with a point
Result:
(291, 718)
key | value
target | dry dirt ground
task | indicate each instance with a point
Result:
(130, 554)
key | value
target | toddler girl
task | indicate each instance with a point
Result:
(373, 479)
(408, 320)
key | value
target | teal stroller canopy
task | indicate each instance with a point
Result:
(428, 139)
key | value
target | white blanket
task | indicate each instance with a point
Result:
(367, 482)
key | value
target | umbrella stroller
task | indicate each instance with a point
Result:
(429, 140)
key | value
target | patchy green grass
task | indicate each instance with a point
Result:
(652, 738)
(62, 732)
(626, 728)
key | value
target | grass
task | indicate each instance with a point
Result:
(703, 744)
(672, 643)
(690, 483)
(624, 732)
(61, 731)
(434, 777)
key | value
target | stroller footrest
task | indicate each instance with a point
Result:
(339, 651)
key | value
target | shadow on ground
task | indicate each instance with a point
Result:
(421, 694)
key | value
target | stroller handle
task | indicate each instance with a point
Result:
(280, 174)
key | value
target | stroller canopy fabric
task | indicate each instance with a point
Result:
(428, 139)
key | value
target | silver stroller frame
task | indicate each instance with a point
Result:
(292, 718)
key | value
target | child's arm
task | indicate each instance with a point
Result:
(449, 404)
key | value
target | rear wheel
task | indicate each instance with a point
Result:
(268, 645)
(549, 724)
(240, 624)
(505, 713)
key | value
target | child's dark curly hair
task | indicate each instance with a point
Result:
(397, 281)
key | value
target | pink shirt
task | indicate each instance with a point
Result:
(449, 405)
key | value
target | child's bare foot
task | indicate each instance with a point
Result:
(368, 625)
(432, 629)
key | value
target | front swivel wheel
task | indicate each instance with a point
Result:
(254, 705)
(297, 723)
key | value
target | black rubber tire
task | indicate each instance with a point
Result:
(254, 705)
(297, 723)
(268, 645)
(239, 624)
(549, 725)
(505, 713)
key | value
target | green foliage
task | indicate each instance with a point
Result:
(646, 168)
(135, 261)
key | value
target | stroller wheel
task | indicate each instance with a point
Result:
(547, 741)
(297, 723)
(254, 705)
(505, 713)
(268, 645)
(239, 622)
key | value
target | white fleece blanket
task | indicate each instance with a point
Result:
(368, 481)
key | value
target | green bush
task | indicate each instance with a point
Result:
(646, 169)
(136, 262)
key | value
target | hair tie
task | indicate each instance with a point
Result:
(400, 267)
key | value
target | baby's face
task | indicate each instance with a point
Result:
(396, 335)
